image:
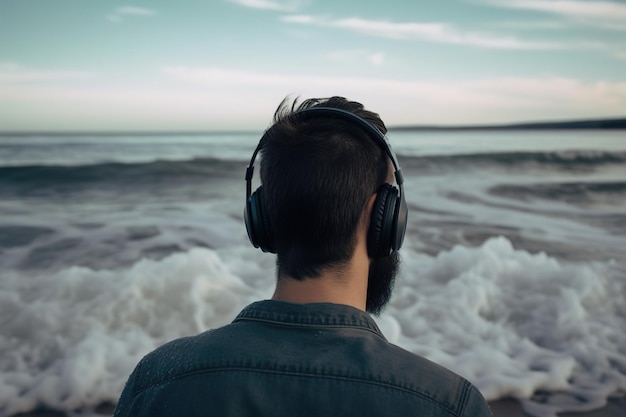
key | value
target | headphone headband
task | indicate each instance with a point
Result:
(379, 137)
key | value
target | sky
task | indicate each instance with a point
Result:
(191, 65)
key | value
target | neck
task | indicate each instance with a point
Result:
(345, 285)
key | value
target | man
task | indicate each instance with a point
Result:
(328, 209)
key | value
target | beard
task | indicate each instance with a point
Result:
(381, 279)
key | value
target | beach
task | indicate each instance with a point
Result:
(513, 269)
(500, 408)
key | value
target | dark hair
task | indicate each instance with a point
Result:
(318, 175)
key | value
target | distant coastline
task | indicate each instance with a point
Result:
(104, 133)
(619, 123)
(613, 124)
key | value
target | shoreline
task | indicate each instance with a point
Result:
(504, 407)
(511, 407)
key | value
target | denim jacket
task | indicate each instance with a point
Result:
(283, 359)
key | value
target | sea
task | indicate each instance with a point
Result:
(513, 268)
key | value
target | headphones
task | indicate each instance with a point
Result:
(389, 213)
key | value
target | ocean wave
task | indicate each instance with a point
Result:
(225, 168)
(70, 339)
(51, 179)
(199, 167)
(577, 193)
(571, 161)
(516, 324)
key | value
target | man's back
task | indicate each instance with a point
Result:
(284, 359)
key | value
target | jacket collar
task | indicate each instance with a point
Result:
(305, 315)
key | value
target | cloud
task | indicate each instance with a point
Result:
(200, 98)
(357, 55)
(493, 100)
(11, 73)
(281, 6)
(428, 32)
(377, 58)
(532, 25)
(606, 14)
(115, 18)
(118, 14)
(137, 11)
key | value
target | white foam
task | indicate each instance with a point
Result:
(515, 323)
(512, 322)
(69, 340)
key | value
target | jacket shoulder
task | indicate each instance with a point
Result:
(433, 382)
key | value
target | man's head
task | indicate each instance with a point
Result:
(318, 175)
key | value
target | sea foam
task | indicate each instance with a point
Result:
(517, 324)
(514, 323)
(69, 340)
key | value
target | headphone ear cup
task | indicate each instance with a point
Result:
(383, 222)
(257, 222)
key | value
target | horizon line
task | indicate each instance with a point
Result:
(605, 123)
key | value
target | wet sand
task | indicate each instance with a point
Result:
(510, 407)
(507, 407)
